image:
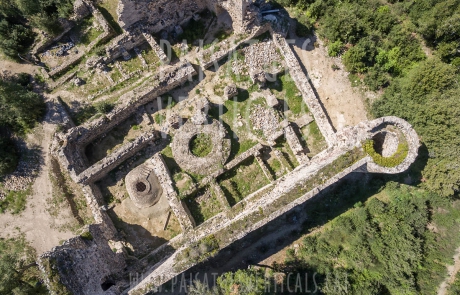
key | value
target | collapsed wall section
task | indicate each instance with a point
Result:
(83, 265)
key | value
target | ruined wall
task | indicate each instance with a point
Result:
(104, 166)
(108, 32)
(130, 101)
(126, 41)
(82, 265)
(305, 88)
(181, 211)
(412, 140)
(160, 14)
(165, 14)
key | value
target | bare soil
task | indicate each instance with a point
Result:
(345, 105)
(40, 228)
(452, 271)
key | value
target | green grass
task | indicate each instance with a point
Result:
(85, 31)
(392, 161)
(274, 165)
(242, 180)
(131, 65)
(201, 145)
(15, 201)
(221, 35)
(286, 90)
(159, 118)
(202, 211)
(108, 9)
(115, 74)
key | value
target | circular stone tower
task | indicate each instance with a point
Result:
(143, 187)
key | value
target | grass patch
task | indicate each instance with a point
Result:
(242, 180)
(198, 252)
(89, 111)
(201, 145)
(132, 64)
(108, 9)
(380, 160)
(203, 205)
(313, 139)
(15, 201)
(285, 90)
(85, 31)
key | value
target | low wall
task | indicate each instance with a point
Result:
(108, 33)
(104, 166)
(305, 88)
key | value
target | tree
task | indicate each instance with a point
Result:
(18, 272)
(198, 288)
(428, 97)
(345, 24)
(14, 38)
(8, 156)
(360, 57)
(19, 108)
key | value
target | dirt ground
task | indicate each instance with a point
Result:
(452, 271)
(344, 104)
(41, 230)
(14, 67)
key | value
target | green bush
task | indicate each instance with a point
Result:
(335, 48)
(20, 108)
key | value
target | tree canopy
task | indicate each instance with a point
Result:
(428, 97)
(20, 108)
(18, 271)
(18, 17)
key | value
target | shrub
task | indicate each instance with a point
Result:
(335, 48)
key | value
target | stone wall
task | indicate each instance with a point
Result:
(181, 211)
(305, 88)
(277, 189)
(295, 145)
(108, 33)
(82, 265)
(164, 14)
(101, 168)
(130, 101)
(156, 48)
(412, 140)
(126, 41)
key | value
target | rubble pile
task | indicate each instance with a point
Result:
(264, 119)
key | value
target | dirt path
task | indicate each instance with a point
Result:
(14, 67)
(344, 104)
(452, 271)
(38, 226)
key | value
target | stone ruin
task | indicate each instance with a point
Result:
(143, 186)
(96, 262)
(207, 164)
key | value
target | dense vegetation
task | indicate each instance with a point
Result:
(17, 18)
(393, 161)
(19, 273)
(399, 241)
(20, 108)
(381, 44)
(428, 97)
(393, 244)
